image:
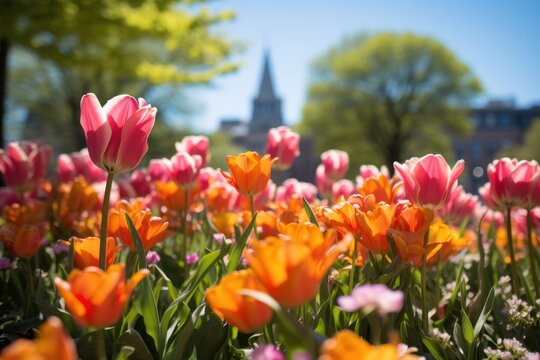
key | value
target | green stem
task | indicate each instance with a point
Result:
(252, 207)
(425, 318)
(184, 230)
(104, 220)
(510, 243)
(100, 337)
(531, 250)
(352, 274)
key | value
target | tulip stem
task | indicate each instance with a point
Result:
(510, 243)
(252, 207)
(532, 257)
(425, 318)
(184, 230)
(104, 220)
(100, 337)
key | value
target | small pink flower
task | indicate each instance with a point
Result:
(192, 258)
(84, 166)
(343, 187)
(283, 144)
(152, 257)
(267, 352)
(117, 133)
(5, 263)
(195, 145)
(460, 206)
(158, 170)
(184, 169)
(336, 163)
(370, 171)
(512, 181)
(372, 297)
(428, 181)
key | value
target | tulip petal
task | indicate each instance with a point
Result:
(96, 127)
(120, 108)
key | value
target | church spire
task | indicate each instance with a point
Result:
(266, 111)
(266, 89)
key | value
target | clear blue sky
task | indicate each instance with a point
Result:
(499, 40)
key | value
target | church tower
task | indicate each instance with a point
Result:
(266, 112)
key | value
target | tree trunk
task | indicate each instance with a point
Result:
(4, 50)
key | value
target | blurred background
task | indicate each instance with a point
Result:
(383, 80)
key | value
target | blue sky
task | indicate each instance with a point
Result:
(499, 40)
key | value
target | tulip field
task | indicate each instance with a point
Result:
(108, 257)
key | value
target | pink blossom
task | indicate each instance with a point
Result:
(336, 163)
(192, 258)
(511, 181)
(429, 181)
(152, 257)
(459, 206)
(158, 169)
(292, 188)
(370, 171)
(372, 297)
(195, 145)
(117, 133)
(324, 184)
(4, 263)
(283, 144)
(267, 352)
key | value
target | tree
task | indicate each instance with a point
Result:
(112, 45)
(387, 97)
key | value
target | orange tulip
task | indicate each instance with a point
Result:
(410, 224)
(151, 229)
(173, 196)
(292, 265)
(374, 226)
(86, 251)
(346, 345)
(51, 343)
(448, 238)
(22, 241)
(95, 297)
(224, 222)
(244, 312)
(382, 188)
(249, 173)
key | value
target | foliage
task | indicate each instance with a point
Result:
(385, 97)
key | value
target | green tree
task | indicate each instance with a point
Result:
(530, 149)
(108, 46)
(386, 97)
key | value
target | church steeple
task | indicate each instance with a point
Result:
(266, 112)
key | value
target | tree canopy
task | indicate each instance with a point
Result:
(388, 96)
(110, 47)
(530, 149)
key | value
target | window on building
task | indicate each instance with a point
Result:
(505, 120)
(491, 120)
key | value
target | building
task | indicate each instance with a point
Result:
(498, 125)
(267, 113)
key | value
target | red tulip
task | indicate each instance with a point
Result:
(428, 181)
(117, 133)
(283, 144)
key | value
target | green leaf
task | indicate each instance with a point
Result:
(467, 328)
(145, 303)
(178, 348)
(236, 251)
(131, 339)
(434, 348)
(310, 212)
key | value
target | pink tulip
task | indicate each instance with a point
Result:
(283, 144)
(158, 169)
(533, 199)
(85, 166)
(117, 133)
(459, 207)
(336, 163)
(370, 171)
(428, 181)
(292, 188)
(489, 198)
(23, 164)
(324, 184)
(184, 169)
(512, 181)
(343, 188)
(195, 145)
